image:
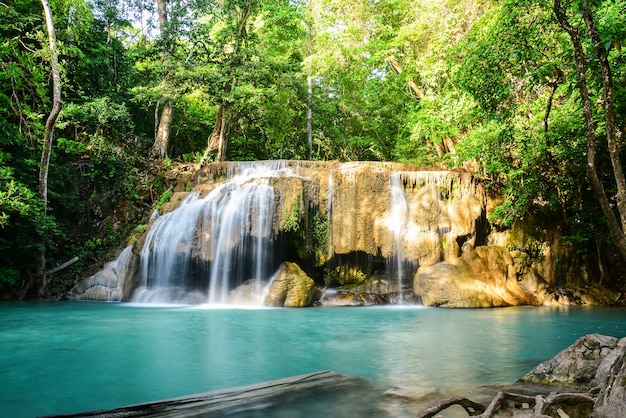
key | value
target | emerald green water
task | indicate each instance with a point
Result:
(62, 357)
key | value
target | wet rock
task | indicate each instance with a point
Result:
(249, 292)
(291, 287)
(339, 297)
(413, 393)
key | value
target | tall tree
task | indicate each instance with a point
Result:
(162, 134)
(237, 17)
(616, 229)
(49, 135)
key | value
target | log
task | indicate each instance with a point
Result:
(226, 401)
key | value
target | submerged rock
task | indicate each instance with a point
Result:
(340, 297)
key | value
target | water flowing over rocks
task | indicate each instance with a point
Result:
(363, 231)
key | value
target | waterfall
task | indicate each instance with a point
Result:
(210, 244)
(399, 218)
(243, 227)
(365, 226)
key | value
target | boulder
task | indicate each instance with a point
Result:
(576, 366)
(482, 277)
(594, 362)
(291, 287)
(611, 376)
(587, 379)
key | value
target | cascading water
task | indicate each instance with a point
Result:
(352, 225)
(211, 244)
(244, 233)
(399, 218)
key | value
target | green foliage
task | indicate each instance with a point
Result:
(292, 216)
(482, 85)
(165, 197)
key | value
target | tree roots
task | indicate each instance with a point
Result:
(540, 404)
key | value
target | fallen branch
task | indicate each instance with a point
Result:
(62, 266)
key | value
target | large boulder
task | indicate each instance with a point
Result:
(482, 277)
(577, 366)
(594, 362)
(291, 287)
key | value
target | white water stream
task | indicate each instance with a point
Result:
(231, 228)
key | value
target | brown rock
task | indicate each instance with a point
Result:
(483, 277)
(291, 287)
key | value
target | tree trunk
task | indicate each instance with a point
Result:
(48, 139)
(215, 138)
(309, 115)
(219, 136)
(309, 90)
(612, 133)
(615, 229)
(162, 138)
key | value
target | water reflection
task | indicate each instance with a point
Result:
(67, 357)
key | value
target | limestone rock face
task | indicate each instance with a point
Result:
(483, 277)
(346, 222)
(110, 284)
(291, 288)
(362, 227)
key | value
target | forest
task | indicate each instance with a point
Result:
(99, 98)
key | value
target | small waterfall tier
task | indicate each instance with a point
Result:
(363, 226)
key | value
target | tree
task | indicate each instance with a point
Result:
(162, 134)
(49, 135)
(613, 133)
(236, 15)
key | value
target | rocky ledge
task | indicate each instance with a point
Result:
(587, 379)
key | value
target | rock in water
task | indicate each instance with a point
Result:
(291, 287)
